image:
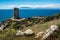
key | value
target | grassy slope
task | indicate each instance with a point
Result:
(38, 28)
(9, 34)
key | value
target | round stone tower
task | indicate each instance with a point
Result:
(16, 13)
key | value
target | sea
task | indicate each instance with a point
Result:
(27, 13)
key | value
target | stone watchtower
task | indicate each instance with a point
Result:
(16, 13)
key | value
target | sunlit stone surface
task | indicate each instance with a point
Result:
(29, 32)
(19, 32)
(50, 31)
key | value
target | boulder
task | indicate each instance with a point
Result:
(29, 32)
(40, 34)
(54, 27)
(50, 31)
(19, 33)
(2, 27)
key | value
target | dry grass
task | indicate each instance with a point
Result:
(37, 28)
(9, 33)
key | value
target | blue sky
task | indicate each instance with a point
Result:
(8, 4)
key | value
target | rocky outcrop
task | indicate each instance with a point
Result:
(29, 32)
(50, 31)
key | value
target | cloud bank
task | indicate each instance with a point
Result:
(31, 6)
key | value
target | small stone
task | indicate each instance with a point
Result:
(29, 32)
(20, 33)
(40, 34)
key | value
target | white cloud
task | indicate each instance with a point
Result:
(32, 6)
(42, 6)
